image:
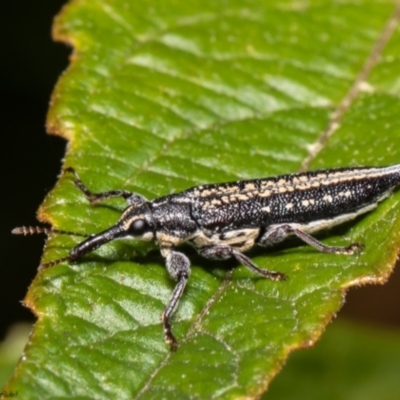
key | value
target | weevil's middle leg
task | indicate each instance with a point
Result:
(178, 266)
(278, 233)
(222, 252)
(131, 198)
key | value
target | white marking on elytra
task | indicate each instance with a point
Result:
(240, 239)
(269, 186)
(265, 193)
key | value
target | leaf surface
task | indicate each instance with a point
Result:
(161, 96)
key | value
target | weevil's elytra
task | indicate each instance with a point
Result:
(224, 220)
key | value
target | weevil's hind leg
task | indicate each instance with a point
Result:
(277, 233)
(131, 198)
(178, 266)
(222, 252)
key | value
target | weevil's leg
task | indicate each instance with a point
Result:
(278, 233)
(96, 197)
(131, 198)
(178, 266)
(222, 252)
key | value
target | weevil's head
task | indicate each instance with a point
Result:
(135, 222)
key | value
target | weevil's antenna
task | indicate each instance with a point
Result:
(54, 262)
(36, 230)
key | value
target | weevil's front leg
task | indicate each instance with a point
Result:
(277, 233)
(131, 198)
(178, 266)
(222, 252)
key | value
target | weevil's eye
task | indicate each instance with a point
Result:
(138, 227)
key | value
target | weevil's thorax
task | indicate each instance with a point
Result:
(172, 216)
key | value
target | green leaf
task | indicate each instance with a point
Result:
(164, 95)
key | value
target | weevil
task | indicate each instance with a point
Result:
(224, 220)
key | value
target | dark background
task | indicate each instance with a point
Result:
(31, 161)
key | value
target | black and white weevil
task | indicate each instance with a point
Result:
(224, 220)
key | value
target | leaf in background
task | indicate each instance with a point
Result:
(11, 348)
(164, 95)
(350, 362)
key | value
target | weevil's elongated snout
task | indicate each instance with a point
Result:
(133, 223)
(136, 222)
(90, 244)
(93, 242)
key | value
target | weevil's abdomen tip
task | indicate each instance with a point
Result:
(18, 230)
